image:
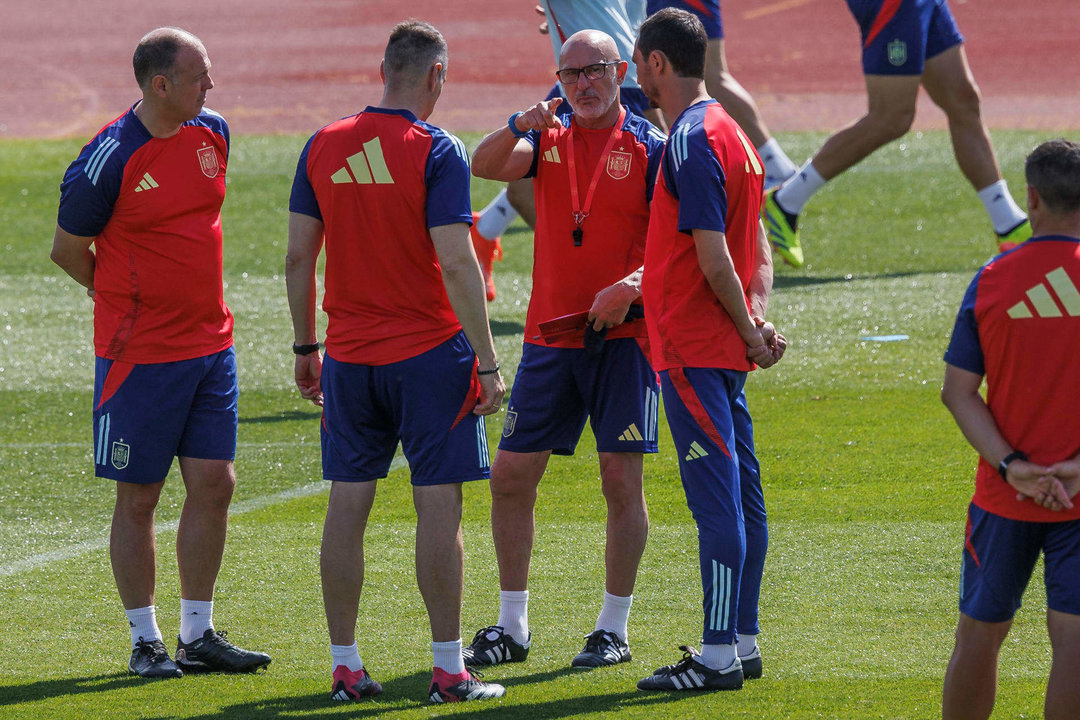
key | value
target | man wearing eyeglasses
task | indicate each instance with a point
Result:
(594, 164)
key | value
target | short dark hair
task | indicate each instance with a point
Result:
(156, 53)
(413, 48)
(680, 36)
(1053, 169)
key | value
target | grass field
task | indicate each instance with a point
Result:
(866, 477)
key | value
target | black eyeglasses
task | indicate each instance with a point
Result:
(569, 76)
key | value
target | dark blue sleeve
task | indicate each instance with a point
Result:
(217, 123)
(697, 180)
(91, 186)
(654, 141)
(964, 351)
(447, 180)
(302, 200)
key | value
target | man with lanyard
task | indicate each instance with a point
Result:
(594, 169)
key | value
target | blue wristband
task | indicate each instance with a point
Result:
(513, 127)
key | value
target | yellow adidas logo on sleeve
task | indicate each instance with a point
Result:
(147, 183)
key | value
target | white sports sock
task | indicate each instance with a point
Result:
(614, 614)
(718, 657)
(143, 624)
(795, 193)
(196, 617)
(448, 656)
(746, 644)
(346, 655)
(1004, 213)
(778, 166)
(514, 614)
(496, 217)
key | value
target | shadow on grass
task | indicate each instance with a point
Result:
(63, 687)
(506, 327)
(286, 416)
(794, 281)
(409, 693)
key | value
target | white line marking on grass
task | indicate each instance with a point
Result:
(87, 546)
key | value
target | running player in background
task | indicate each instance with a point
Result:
(146, 193)
(722, 85)
(905, 44)
(409, 352)
(594, 165)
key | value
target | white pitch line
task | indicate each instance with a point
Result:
(72, 551)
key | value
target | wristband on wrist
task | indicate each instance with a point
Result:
(512, 124)
(492, 371)
(305, 349)
(1003, 466)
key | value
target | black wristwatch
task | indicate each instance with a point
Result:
(305, 349)
(1003, 466)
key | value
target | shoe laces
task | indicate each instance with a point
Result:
(154, 648)
(597, 639)
(689, 657)
(481, 637)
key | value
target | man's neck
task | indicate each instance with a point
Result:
(154, 123)
(680, 95)
(405, 101)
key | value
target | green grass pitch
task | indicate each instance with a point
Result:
(866, 478)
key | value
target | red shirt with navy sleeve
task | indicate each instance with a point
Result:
(1019, 325)
(153, 207)
(711, 178)
(379, 180)
(567, 277)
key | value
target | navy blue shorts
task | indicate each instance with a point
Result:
(556, 389)
(147, 414)
(899, 37)
(999, 556)
(425, 402)
(707, 10)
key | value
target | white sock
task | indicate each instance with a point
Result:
(346, 655)
(448, 656)
(746, 644)
(795, 193)
(514, 614)
(1004, 213)
(778, 166)
(143, 624)
(196, 617)
(614, 614)
(718, 657)
(496, 217)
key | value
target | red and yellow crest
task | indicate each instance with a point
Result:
(618, 165)
(208, 161)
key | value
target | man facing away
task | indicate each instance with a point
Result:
(409, 353)
(1019, 327)
(594, 168)
(146, 194)
(707, 278)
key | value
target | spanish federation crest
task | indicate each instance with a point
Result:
(509, 423)
(897, 50)
(121, 453)
(208, 161)
(618, 165)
